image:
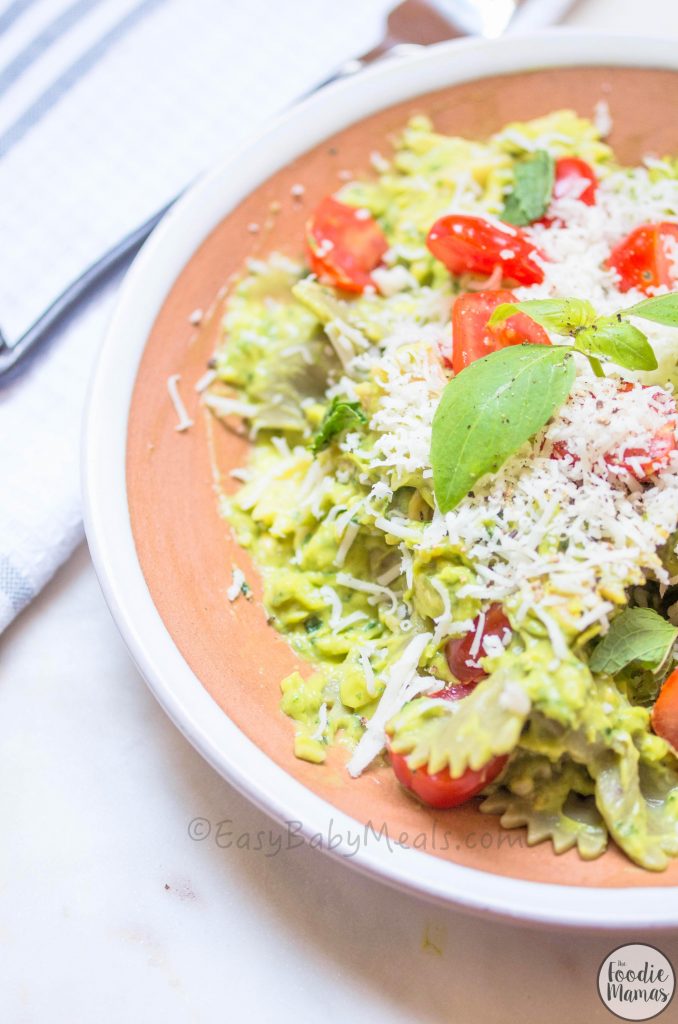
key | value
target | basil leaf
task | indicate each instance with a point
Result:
(490, 409)
(562, 316)
(661, 310)
(339, 416)
(605, 337)
(532, 189)
(618, 340)
(638, 634)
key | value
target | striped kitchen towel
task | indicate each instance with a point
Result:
(107, 109)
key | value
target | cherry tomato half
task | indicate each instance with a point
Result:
(644, 259)
(464, 243)
(440, 790)
(344, 245)
(655, 456)
(665, 711)
(462, 663)
(575, 179)
(473, 337)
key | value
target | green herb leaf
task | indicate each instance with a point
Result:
(339, 416)
(532, 189)
(662, 310)
(562, 316)
(490, 409)
(598, 337)
(638, 634)
(615, 339)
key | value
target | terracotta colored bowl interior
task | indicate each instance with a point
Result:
(185, 548)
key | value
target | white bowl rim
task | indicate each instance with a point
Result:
(107, 521)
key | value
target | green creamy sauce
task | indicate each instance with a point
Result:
(583, 762)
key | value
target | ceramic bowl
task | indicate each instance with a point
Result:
(163, 554)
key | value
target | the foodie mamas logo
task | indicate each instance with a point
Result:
(636, 982)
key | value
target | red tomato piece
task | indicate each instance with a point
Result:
(575, 179)
(344, 245)
(665, 711)
(561, 451)
(454, 691)
(472, 335)
(654, 457)
(440, 790)
(462, 663)
(472, 244)
(644, 260)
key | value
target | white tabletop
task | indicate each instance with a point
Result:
(109, 911)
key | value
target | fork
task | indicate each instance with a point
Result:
(411, 23)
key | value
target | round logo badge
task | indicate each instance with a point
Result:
(636, 982)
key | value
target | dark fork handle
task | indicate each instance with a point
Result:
(11, 355)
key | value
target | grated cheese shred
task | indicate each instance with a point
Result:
(402, 685)
(184, 420)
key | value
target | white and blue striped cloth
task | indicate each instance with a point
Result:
(107, 109)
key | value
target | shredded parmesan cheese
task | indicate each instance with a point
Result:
(230, 406)
(402, 685)
(478, 636)
(322, 723)
(330, 595)
(350, 534)
(184, 419)
(381, 593)
(238, 584)
(602, 118)
(370, 680)
(204, 382)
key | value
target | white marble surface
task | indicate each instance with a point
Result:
(109, 912)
